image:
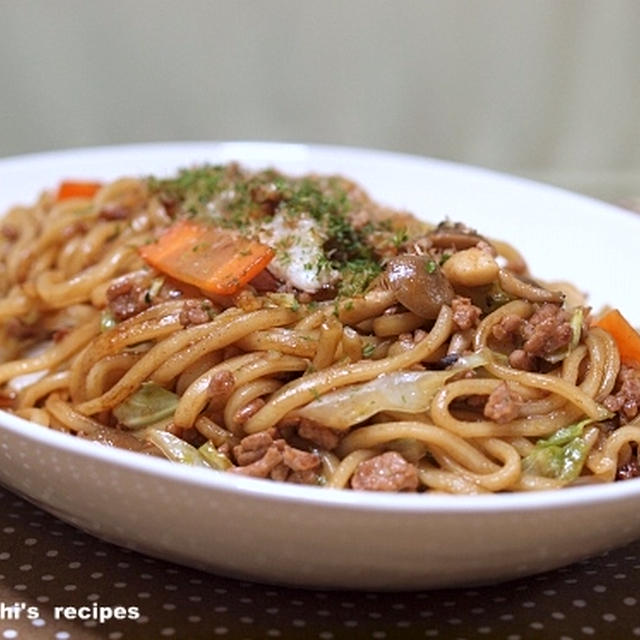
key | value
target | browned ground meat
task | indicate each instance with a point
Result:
(544, 333)
(547, 330)
(126, 299)
(386, 472)
(263, 455)
(220, 387)
(322, 436)
(263, 466)
(502, 404)
(520, 359)
(465, 314)
(508, 329)
(193, 313)
(626, 399)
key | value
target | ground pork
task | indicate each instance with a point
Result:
(465, 314)
(126, 299)
(264, 455)
(626, 397)
(502, 405)
(547, 330)
(386, 472)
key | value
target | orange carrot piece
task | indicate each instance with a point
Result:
(625, 336)
(77, 189)
(214, 260)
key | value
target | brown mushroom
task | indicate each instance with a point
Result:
(418, 284)
(455, 235)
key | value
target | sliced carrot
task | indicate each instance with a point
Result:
(214, 260)
(626, 337)
(77, 189)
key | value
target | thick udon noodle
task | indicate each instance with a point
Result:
(261, 359)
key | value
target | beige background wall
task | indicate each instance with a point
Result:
(544, 88)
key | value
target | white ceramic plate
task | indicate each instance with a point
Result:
(314, 537)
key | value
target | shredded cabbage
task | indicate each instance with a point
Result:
(147, 405)
(406, 391)
(561, 455)
(177, 450)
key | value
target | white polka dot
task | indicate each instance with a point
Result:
(5, 555)
(62, 635)
(10, 633)
(221, 631)
(629, 601)
(25, 567)
(579, 603)
(609, 617)
(198, 619)
(38, 622)
(599, 588)
(588, 631)
(168, 631)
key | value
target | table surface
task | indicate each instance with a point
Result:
(47, 565)
(59, 583)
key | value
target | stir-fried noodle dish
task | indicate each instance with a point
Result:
(291, 328)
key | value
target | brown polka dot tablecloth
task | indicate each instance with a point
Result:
(59, 583)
